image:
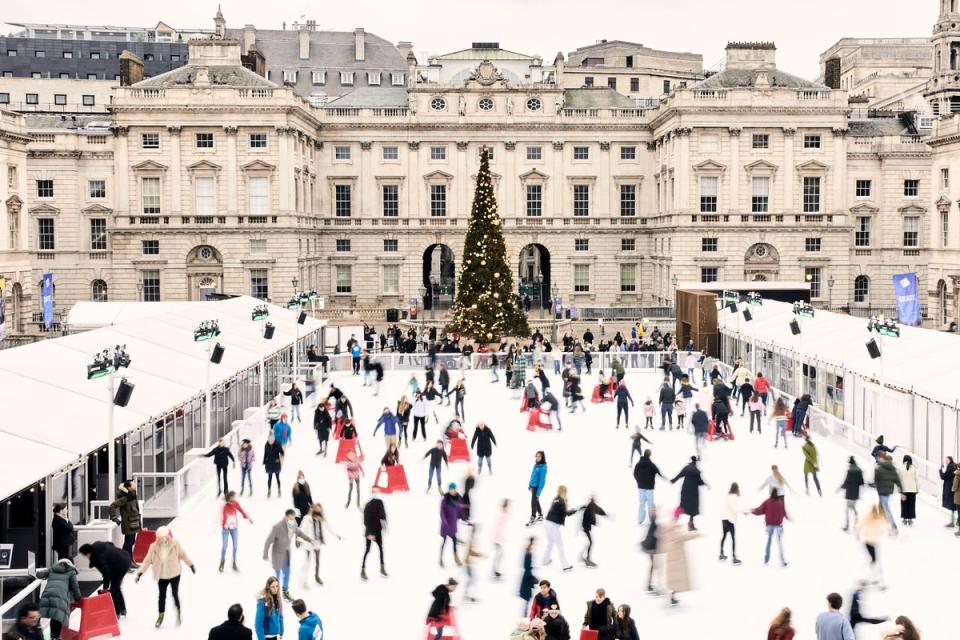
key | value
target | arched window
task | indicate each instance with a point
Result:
(861, 289)
(98, 291)
(942, 301)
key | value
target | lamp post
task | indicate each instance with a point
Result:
(540, 294)
(433, 297)
(140, 291)
(830, 283)
(554, 291)
(423, 303)
(105, 365)
(674, 281)
(296, 341)
(205, 332)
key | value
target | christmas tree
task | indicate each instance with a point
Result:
(486, 308)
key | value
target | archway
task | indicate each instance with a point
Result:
(439, 277)
(761, 262)
(533, 279)
(204, 272)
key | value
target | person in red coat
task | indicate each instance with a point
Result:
(774, 511)
(780, 628)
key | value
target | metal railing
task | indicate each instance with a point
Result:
(29, 593)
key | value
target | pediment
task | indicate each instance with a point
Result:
(912, 208)
(258, 165)
(533, 174)
(709, 165)
(438, 175)
(14, 201)
(761, 165)
(149, 165)
(204, 165)
(44, 209)
(812, 165)
(943, 203)
(96, 208)
(864, 207)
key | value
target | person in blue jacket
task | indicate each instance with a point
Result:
(538, 480)
(268, 624)
(310, 626)
(282, 431)
(391, 426)
(355, 353)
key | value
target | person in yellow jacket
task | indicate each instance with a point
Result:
(165, 556)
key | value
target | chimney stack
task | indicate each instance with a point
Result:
(304, 43)
(831, 74)
(404, 48)
(249, 37)
(359, 39)
(131, 69)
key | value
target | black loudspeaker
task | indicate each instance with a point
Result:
(124, 391)
(302, 317)
(217, 354)
(393, 315)
(747, 315)
(795, 327)
(268, 331)
(732, 306)
(873, 348)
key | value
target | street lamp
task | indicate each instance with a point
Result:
(539, 280)
(105, 365)
(830, 283)
(296, 304)
(205, 332)
(555, 292)
(433, 297)
(140, 291)
(423, 304)
(674, 281)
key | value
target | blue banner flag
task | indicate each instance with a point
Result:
(905, 289)
(46, 292)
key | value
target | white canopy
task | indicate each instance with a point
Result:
(53, 415)
(923, 361)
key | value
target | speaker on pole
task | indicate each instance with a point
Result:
(217, 354)
(732, 306)
(794, 327)
(124, 391)
(747, 315)
(873, 348)
(302, 317)
(268, 331)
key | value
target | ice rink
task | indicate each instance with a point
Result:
(590, 457)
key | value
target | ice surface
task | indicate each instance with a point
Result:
(588, 456)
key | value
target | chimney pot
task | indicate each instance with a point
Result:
(131, 69)
(304, 36)
(359, 44)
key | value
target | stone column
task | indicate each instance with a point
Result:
(559, 180)
(603, 196)
(284, 174)
(839, 170)
(789, 176)
(510, 205)
(175, 175)
(232, 192)
(367, 188)
(681, 200)
(415, 182)
(462, 183)
(734, 205)
(123, 176)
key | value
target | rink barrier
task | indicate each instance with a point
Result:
(30, 593)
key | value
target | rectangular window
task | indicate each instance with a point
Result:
(864, 188)
(534, 200)
(203, 197)
(391, 153)
(628, 200)
(318, 77)
(581, 153)
(391, 200)
(861, 232)
(150, 247)
(32, 98)
(11, 176)
(911, 188)
(944, 229)
(628, 244)
(45, 234)
(151, 286)
(581, 278)
(259, 284)
(709, 274)
(258, 196)
(12, 53)
(95, 55)
(935, 107)
(341, 153)
(709, 244)
(60, 99)
(343, 200)
(709, 143)
(97, 188)
(346, 78)
(944, 179)
(150, 140)
(148, 57)
(258, 141)
(4, 98)
(438, 200)
(628, 278)
(343, 245)
(344, 274)
(174, 57)
(666, 86)
(911, 231)
(813, 277)
(391, 279)
(708, 194)
(761, 141)
(391, 245)
(438, 153)
(36, 75)
(812, 245)
(490, 153)
(67, 55)
(289, 77)
(811, 141)
(44, 188)
(40, 54)
(581, 200)
(634, 85)
(89, 101)
(612, 83)
(534, 153)
(811, 195)
(628, 153)
(150, 195)
(396, 79)
(373, 78)
(98, 234)
(91, 76)
(760, 199)
(204, 141)
(258, 246)
(588, 81)
(581, 244)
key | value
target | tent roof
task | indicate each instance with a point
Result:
(55, 415)
(920, 360)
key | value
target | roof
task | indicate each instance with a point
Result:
(220, 75)
(37, 121)
(587, 50)
(373, 97)
(54, 415)
(332, 50)
(484, 54)
(877, 127)
(747, 78)
(595, 98)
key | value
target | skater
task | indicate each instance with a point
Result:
(687, 393)
(310, 626)
(721, 416)
(590, 512)
(666, 398)
(552, 405)
(637, 438)
(499, 536)
(811, 464)
(556, 625)
(576, 393)
(673, 545)
(538, 480)
(530, 393)
(322, 424)
(296, 399)
(315, 525)
(681, 410)
(731, 510)
(419, 411)
(232, 628)
(761, 387)
(650, 545)
(440, 607)
(556, 518)
(247, 458)
(459, 391)
(600, 614)
(229, 526)
(443, 380)
(701, 427)
(800, 408)
(61, 589)
(451, 505)
(64, 534)
(780, 628)
(622, 396)
(430, 394)
(774, 512)
(527, 580)
(273, 413)
(468, 562)
(222, 457)
(483, 440)
(302, 497)
(437, 455)
(947, 473)
(645, 473)
(282, 431)
(873, 529)
(391, 426)
(125, 511)
(356, 352)
(272, 462)
(648, 412)
(403, 414)
(269, 619)
(885, 479)
(277, 547)
(391, 457)
(690, 491)
(908, 491)
(779, 419)
(776, 481)
(354, 470)
(851, 492)
(113, 564)
(544, 599)
(856, 616)
(165, 556)
(746, 392)
(468, 484)
(756, 407)
(374, 523)
(831, 624)
(624, 628)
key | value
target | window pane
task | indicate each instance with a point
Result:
(204, 202)
(761, 194)
(708, 194)
(811, 195)
(581, 277)
(98, 234)
(628, 200)
(151, 286)
(45, 234)
(628, 278)
(259, 287)
(151, 195)
(391, 200)
(438, 200)
(581, 199)
(534, 200)
(258, 196)
(344, 273)
(391, 278)
(342, 200)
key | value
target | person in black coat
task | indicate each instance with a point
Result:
(622, 397)
(624, 627)
(721, 415)
(851, 491)
(440, 606)
(113, 564)
(233, 628)
(322, 425)
(527, 581)
(483, 440)
(222, 456)
(374, 522)
(63, 533)
(947, 471)
(667, 398)
(272, 461)
(555, 624)
(590, 512)
(690, 490)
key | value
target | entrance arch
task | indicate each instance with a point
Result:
(204, 272)
(439, 277)
(534, 275)
(761, 263)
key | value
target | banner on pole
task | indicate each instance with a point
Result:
(905, 290)
(46, 292)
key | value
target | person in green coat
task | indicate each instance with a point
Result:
(125, 510)
(61, 589)
(885, 479)
(811, 465)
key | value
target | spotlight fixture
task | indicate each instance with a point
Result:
(206, 330)
(104, 363)
(268, 330)
(294, 303)
(754, 299)
(260, 312)
(795, 327)
(747, 315)
(802, 309)
(884, 326)
(732, 306)
(873, 349)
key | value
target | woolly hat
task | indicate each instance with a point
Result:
(163, 532)
(452, 486)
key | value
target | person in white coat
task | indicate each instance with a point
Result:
(419, 412)
(731, 508)
(315, 525)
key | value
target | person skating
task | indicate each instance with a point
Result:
(404, 409)
(391, 426)
(64, 534)
(666, 399)
(856, 615)
(273, 412)
(528, 581)
(645, 473)
(947, 472)
(731, 510)
(589, 520)
(125, 510)
(778, 417)
(468, 562)
(277, 548)
(762, 388)
(354, 470)
(650, 545)
(831, 624)
(229, 526)
(430, 394)
(550, 403)
(538, 480)
(61, 589)
(622, 396)
(268, 622)
(908, 491)
(811, 465)
(322, 424)
(673, 545)
(421, 408)
(316, 526)
(302, 497)
(774, 512)
(311, 628)
(756, 407)
(775, 481)
(721, 415)
(648, 412)
(872, 530)
(576, 393)
(780, 628)
(701, 426)
(222, 457)
(282, 431)
(880, 448)
(437, 454)
(556, 625)
(113, 564)
(166, 556)
(469, 482)
(247, 457)
(800, 409)
(232, 628)
(886, 480)
(391, 457)
(852, 483)
(637, 439)
(374, 524)
(624, 627)
(499, 537)
(459, 392)
(451, 505)
(296, 399)
(483, 440)
(687, 393)
(680, 409)
(272, 462)
(690, 490)
(600, 614)
(556, 518)
(440, 607)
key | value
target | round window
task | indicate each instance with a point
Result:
(485, 104)
(206, 253)
(438, 104)
(760, 251)
(534, 104)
